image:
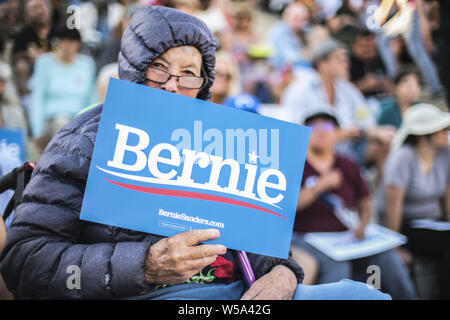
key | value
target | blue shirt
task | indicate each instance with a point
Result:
(390, 114)
(60, 89)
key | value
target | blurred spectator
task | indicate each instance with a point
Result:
(226, 88)
(332, 197)
(32, 41)
(443, 46)
(187, 6)
(284, 36)
(330, 8)
(100, 17)
(326, 86)
(417, 185)
(7, 164)
(314, 35)
(407, 23)
(62, 84)
(216, 14)
(343, 24)
(227, 81)
(406, 93)
(258, 77)
(11, 17)
(107, 72)
(242, 36)
(11, 117)
(367, 70)
(111, 48)
(11, 112)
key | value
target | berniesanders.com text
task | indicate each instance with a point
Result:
(185, 217)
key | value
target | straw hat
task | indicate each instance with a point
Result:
(421, 119)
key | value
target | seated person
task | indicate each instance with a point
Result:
(326, 86)
(33, 40)
(47, 239)
(406, 93)
(283, 36)
(417, 185)
(63, 83)
(227, 80)
(367, 71)
(332, 191)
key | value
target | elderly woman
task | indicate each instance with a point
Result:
(48, 245)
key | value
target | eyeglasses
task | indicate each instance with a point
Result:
(161, 77)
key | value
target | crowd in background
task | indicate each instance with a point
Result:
(371, 79)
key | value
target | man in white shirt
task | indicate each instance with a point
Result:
(327, 87)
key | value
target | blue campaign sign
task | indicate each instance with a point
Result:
(12, 145)
(165, 164)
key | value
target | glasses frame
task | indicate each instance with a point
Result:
(178, 79)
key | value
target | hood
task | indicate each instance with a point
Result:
(152, 31)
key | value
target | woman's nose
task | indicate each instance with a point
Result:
(171, 85)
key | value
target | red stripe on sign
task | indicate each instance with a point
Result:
(192, 195)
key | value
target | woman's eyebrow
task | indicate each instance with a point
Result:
(190, 65)
(162, 59)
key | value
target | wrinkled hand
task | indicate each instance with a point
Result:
(177, 258)
(279, 284)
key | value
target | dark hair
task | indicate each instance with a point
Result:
(2, 44)
(321, 116)
(69, 34)
(359, 33)
(413, 140)
(405, 73)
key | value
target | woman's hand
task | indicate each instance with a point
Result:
(279, 284)
(329, 180)
(360, 232)
(177, 258)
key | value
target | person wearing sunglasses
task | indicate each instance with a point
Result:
(334, 197)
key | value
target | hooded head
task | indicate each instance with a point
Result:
(154, 30)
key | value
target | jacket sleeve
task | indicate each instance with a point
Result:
(264, 264)
(43, 252)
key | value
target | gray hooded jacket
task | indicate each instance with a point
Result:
(47, 242)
